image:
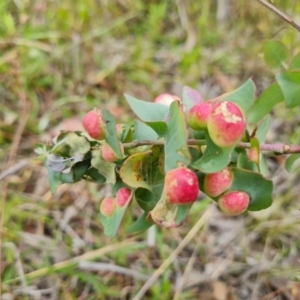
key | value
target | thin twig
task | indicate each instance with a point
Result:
(278, 148)
(280, 14)
(187, 239)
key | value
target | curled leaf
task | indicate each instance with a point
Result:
(105, 168)
(131, 170)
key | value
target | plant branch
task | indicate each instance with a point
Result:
(280, 14)
(278, 148)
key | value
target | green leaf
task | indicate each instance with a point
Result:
(263, 128)
(69, 144)
(290, 161)
(126, 134)
(265, 103)
(255, 185)
(145, 199)
(154, 114)
(190, 97)
(243, 162)
(141, 224)
(161, 128)
(143, 132)
(168, 215)
(111, 137)
(243, 96)
(264, 169)
(214, 158)
(53, 179)
(176, 148)
(235, 153)
(289, 83)
(275, 53)
(92, 174)
(79, 169)
(295, 63)
(112, 223)
(105, 168)
(157, 190)
(198, 135)
(75, 173)
(131, 170)
(195, 152)
(182, 213)
(151, 168)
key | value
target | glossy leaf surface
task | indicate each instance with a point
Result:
(154, 114)
(111, 136)
(255, 185)
(141, 224)
(263, 128)
(265, 103)
(112, 223)
(176, 148)
(143, 132)
(214, 158)
(243, 96)
(275, 53)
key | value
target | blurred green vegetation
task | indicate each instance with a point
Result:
(64, 57)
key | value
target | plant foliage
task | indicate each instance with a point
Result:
(158, 141)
